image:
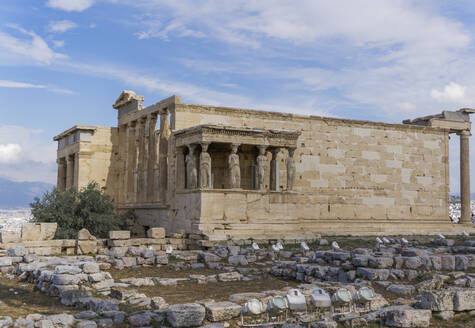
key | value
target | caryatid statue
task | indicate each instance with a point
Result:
(261, 168)
(234, 168)
(205, 167)
(291, 171)
(191, 173)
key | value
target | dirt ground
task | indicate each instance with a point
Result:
(157, 271)
(188, 291)
(18, 299)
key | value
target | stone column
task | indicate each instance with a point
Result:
(156, 168)
(136, 162)
(61, 184)
(163, 155)
(261, 168)
(122, 190)
(291, 171)
(191, 173)
(69, 171)
(131, 150)
(234, 168)
(140, 167)
(152, 157)
(274, 170)
(180, 168)
(466, 216)
(145, 159)
(205, 166)
(76, 171)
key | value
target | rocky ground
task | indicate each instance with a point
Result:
(418, 282)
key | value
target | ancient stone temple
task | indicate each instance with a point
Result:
(240, 173)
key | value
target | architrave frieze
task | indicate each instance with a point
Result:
(238, 135)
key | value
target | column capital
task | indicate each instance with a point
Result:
(262, 149)
(204, 146)
(163, 111)
(235, 147)
(465, 133)
(291, 151)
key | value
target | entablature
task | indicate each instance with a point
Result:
(454, 121)
(236, 135)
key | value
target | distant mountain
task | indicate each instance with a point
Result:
(20, 194)
(456, 197)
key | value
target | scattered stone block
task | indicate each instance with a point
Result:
(372, 274)
(156, 233)
(84, 234)
(186, 315)
(17, 251)
(30, 231)
(119, 235)
(9, 237)
(448, 262)
(84, 247)
(237, 260)
(464, 300)
(5, 261)
(90, 267)
(48, 230)
(221, 311)
(408, 318)
(61, 320)
(229, 276)
(438, 300)
(402, 290)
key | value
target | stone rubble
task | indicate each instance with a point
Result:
(437, 281)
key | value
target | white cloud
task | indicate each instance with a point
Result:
(58, 43)
(24, 85)
(61, 26)
(9, 153)
(14, 84)
(30, 49)
(387, 55)
(26, 154)
(70, 5)
(452, 93)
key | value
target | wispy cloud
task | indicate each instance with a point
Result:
(24, 85)
(70, 5)
(9, 152)
(61, 26)
(28, 47)
(387, 55)
(14, 84)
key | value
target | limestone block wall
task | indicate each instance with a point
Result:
(351, 175)
(95, 159)
(98, 160)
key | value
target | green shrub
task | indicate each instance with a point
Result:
(73, 210)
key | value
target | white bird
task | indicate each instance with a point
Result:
(404, 241)
(279, 245)
(441, 236)
(304, 246)
(335, 246)
(255, 246)
(275, 248)
(386, 240)
(378, 240)
(169, 249)
(465, 234)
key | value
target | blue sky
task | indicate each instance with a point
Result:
(64, 62)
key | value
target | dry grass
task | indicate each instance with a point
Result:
(18, 299)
